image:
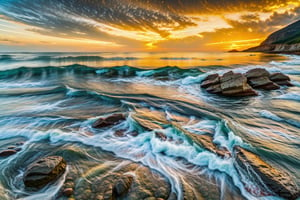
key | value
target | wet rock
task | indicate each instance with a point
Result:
(235, 84)
(44, 171)
(8, 152)
(109, 121)
(161, 136)
(68, 192)
(210, 80)
(214, 89)
(277, 181)
(205, 142)
(120, 133)
(281, 79)
(257, 72)
(11, 147)
(263, 83)
(122, 186)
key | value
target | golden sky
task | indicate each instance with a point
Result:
(141, 25)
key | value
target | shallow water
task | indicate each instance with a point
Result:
(50, 100)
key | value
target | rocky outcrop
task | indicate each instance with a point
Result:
(44, 171)
(277, 181)
(237, 84)
(286, 40)
(109, 121)
(230, 84)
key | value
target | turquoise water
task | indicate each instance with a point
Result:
(50, 100)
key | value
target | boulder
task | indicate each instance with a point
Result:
(281, 79)
(210, 80)
(109, 121)
(8, 152)
(214, 89)
(122, 186)
(263, 82)
(44, 171)
(235, 84)
(257, 72)
(277, 181)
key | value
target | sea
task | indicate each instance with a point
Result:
(49, 101)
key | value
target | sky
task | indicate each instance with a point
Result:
(141, 25)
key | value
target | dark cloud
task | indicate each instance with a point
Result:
(210, 6)
(60, 16)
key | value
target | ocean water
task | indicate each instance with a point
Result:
(50, 101)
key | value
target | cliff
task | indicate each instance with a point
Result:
(286, 40)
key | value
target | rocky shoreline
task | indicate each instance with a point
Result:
(119, 179)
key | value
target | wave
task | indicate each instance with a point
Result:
(168, 72)
(5, 58)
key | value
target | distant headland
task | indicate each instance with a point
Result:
(286, 40)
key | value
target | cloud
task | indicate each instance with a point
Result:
(161, 23)
(5, 40)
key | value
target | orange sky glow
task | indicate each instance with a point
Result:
(181, 28)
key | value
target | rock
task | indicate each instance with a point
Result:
(210, 80)
(281, 79)
(161, 136)
(122, 186)
(68, 192)
(235, 84)
(278, 182)
(214, 89)
(284, 82)
(44, 171)
(257, 72)
(120, 133)
(263, 83)
(109, 121)
(6, 153)
(206, 142)
(20, 143)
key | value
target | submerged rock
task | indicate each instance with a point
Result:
(44, 171)
(109, 121)
(8, 152)
(278, 182)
